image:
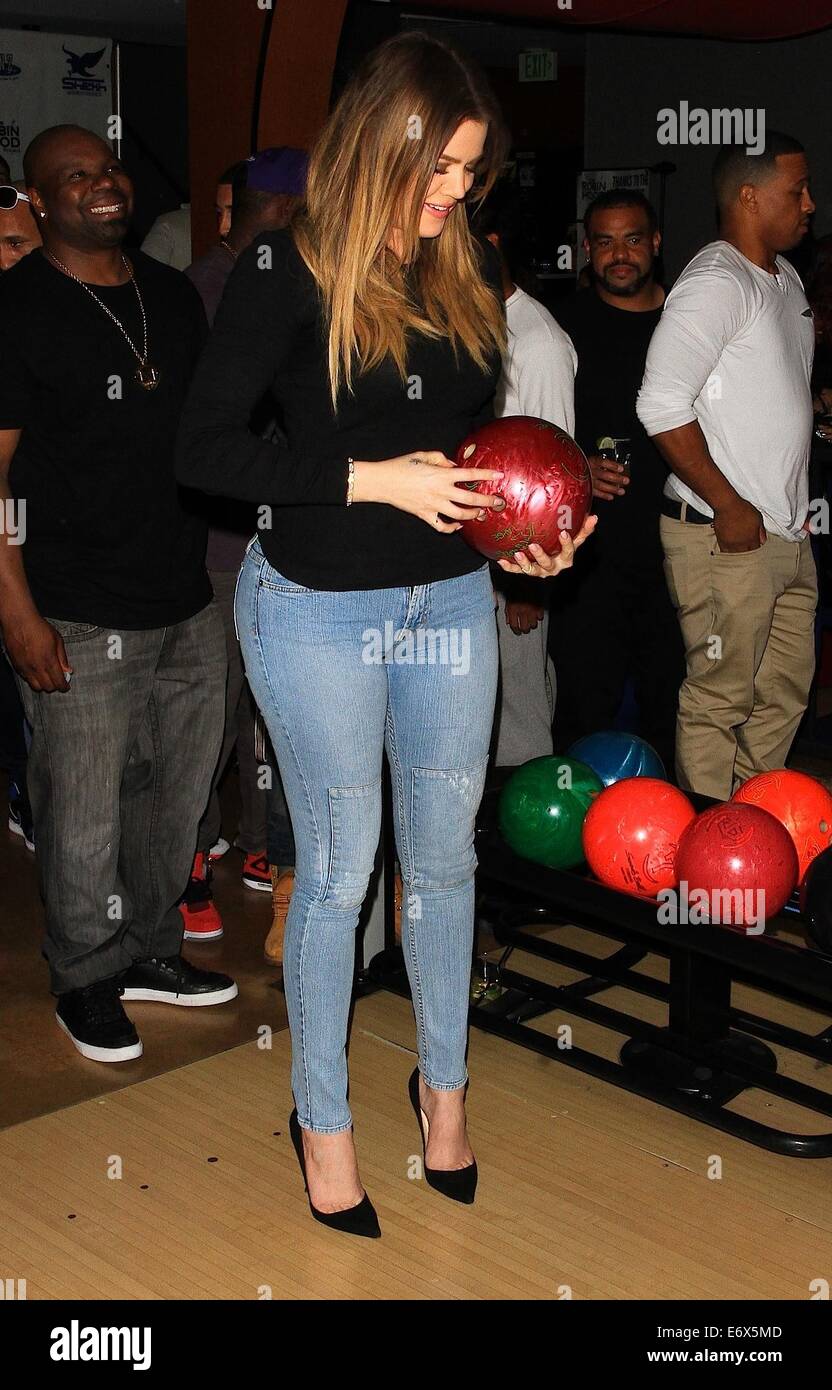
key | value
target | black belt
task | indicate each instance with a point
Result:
(674, 509)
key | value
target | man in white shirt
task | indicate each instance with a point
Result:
(538, 380)
(169, 239)
(726, 397)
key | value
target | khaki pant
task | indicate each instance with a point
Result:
(747, 623)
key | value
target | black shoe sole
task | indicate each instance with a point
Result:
(128, 1053)
(191, 1001)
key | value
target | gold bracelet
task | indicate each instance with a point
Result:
(350, 481)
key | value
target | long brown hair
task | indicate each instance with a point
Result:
(370, 170)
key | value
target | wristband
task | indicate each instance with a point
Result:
(350, 481)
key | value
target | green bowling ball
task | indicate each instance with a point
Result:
(542, 809)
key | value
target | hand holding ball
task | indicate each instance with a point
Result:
(547, 486)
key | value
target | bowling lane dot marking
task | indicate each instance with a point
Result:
(213, 1160)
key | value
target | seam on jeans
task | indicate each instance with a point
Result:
(288, 588)
(158, 779)
(404, 847)
(302, 935)
(406, 853)
(234, 603)
(38, 709)
(712, 594)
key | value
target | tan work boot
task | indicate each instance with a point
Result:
(282, 885)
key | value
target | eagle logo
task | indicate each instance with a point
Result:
(79, 63)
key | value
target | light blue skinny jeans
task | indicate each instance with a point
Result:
(339, 676)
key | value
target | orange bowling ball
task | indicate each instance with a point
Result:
(631, 834)
(800, 803)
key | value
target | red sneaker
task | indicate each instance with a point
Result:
(256, 873)
(201, 918)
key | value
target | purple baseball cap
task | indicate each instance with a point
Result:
(280, 169)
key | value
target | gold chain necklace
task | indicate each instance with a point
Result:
(146, 376)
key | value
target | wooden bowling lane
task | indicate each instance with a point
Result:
(583, 1188)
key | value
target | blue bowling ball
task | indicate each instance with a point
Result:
(614, 755)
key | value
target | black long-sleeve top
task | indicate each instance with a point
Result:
(269, 337)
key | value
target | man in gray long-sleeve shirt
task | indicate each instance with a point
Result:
(726, 397)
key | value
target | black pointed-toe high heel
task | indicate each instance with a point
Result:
(460, 1184)
(360, 1220)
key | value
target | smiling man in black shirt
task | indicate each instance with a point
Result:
(613, 619)
(105, 608)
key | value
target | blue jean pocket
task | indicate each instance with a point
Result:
(355, 827)
(277, 583)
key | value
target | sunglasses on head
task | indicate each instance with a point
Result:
(10, 197)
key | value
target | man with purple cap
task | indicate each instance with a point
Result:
(267, 188)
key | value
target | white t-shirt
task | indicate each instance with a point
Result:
(733, 350)
(539, 369)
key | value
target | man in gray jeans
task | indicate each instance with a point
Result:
(105, 606)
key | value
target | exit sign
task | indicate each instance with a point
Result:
(538, 65)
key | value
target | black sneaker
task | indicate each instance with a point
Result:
(95, 1021)
(20, 815)
(173, 980)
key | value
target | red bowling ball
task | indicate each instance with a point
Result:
(547, 485)
(741, 861)
(631, 835)
(800, 803)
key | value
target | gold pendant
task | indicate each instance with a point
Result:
(147, 376)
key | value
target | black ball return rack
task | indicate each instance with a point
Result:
(706, 1055)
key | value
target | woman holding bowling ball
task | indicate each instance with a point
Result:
(376, 321)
